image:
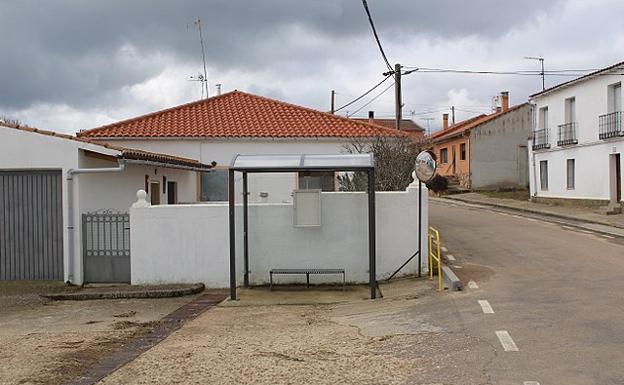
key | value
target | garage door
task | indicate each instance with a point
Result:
(31, 225)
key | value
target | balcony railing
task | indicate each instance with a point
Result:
(566, 134)
(610, 125)
(541, 139)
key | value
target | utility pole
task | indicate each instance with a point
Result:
(453, 114)
(333, 100)
(428, 128)
(397, 95)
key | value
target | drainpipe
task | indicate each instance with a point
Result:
(70, 209)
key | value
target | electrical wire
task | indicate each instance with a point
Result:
(370, 20)
(363, 95)
(564, 72)
(372, 100)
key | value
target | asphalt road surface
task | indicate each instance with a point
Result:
(549, 298)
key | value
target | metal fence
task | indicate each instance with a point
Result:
(106, 246)
(541, 139)
(566, 134)
(610, 125)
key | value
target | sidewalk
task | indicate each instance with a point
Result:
(572, 213)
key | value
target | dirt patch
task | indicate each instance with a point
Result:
(26, 294)
(120, 325)
(302, 345)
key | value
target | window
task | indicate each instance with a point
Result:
(214, 186)
(570, 174)
(172, 193)
(462, 151)
(154, 193)
(444, 155)
(615, 97)
(543, 118)
(570, 110)
(544, 175)
(317, 180)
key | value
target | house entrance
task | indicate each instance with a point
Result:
(616, 178)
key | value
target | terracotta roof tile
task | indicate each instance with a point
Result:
(125, 153)
(238, 114)
(468, 124)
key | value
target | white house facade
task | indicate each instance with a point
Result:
(219, 128)
(48, 181)
(577, 142)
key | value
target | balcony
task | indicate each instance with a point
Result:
(541, 139)
(610, 125)
(566, 135)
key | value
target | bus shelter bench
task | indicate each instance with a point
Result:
(307, 273)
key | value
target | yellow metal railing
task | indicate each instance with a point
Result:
(434, 255)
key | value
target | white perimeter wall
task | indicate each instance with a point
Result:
(190, 243)
(279, 186)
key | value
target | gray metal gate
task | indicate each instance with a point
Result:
(31, 225)
(106, 246)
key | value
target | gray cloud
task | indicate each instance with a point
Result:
(69, 51)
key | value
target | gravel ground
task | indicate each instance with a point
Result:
(327, 344)
(52, 342)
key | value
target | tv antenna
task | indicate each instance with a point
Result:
(541, 60)
(203, 79)
(202, 82)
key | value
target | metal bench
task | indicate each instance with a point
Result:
(307, 272)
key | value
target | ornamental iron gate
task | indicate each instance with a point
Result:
(106, 246)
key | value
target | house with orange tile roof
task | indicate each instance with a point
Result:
(407, 125)
(486, 151)
(220, 127)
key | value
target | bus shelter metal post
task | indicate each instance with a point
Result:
(371, 235)
(232, 235)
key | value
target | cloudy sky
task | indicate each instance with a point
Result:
(67, 65)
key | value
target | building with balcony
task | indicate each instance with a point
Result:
(577, 140)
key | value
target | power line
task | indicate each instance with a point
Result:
(363, 95)
(372, 100)
(370, 20)
(564, 72)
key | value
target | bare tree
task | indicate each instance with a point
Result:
(394, 163)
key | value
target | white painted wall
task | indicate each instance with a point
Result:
(23, 150)
(279, 186)
(591, 154)
(190, 243)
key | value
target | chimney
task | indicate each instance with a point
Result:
(505, 100)
(371, 116)
(445, 121)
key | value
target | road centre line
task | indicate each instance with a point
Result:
(444, 249)
(472, 284)
(450, 257)
(486, 307)
(530, 383)
(506, 341)
(568, 228)
(607, 236)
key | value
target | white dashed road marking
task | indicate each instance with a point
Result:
(486, 307)
(530, 219)
(607, 236)
(568, 228)
(517, 216)
(530, 383)
(450, 257)
(586, 232)
(444, 249)
(505, 339)
(473, 285)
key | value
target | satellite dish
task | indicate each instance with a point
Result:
(425, 166)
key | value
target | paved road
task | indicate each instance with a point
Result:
(556, 291)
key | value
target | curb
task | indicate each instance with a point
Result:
(544, 213)
(146, 293)
(454, 283)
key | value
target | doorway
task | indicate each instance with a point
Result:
(616, 178)
(154, 193)
(172, 193)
